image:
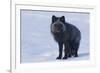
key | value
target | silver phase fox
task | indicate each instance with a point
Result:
(66, 35)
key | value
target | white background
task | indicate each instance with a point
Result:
(5, 37)
(33, 50)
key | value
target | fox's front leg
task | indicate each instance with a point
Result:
(60, 50)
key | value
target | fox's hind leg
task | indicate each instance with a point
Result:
(70, 53)
(75, 49)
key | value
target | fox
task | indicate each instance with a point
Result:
(66, 35)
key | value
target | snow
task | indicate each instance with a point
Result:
(37, 43)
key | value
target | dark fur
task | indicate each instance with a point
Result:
(67, 35)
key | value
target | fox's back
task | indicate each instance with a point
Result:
(73, 31)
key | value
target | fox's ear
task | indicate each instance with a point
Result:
(62, 19)
(54, 18)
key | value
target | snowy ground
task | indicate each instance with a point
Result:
(37, 43)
